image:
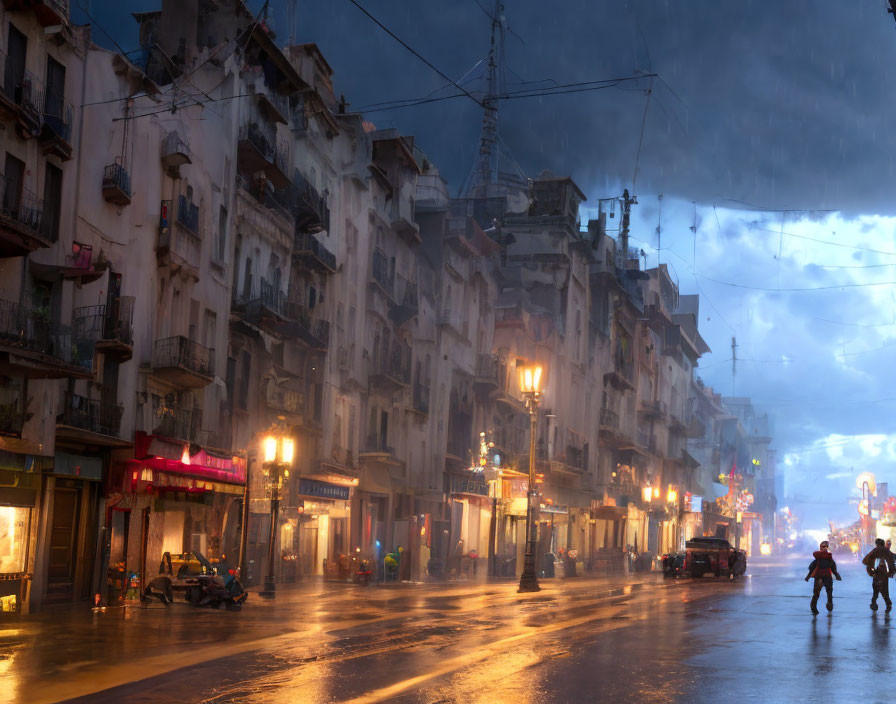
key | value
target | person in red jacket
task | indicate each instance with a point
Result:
(822, 569)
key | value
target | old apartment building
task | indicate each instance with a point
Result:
(202, 246)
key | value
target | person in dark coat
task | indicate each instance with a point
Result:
(822, 569)
(880, 566)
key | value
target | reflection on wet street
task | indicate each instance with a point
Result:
(642, 640)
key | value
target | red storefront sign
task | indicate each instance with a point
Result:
(163, 455)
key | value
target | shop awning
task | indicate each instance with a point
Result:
(162, 455)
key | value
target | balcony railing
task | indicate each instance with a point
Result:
(393, 364)
(58, 115)
(262, 138)
(285, 400)
(107, 323)
(382, 273)
(487, 369)
(308, 206)
(47, 12)
(116, 184)
(310, 248)
(172, 421)
(92, 415)
(181, 352)
(32, 97)
(23, 210)
(34, 330)
(188, 214)
(609, 418)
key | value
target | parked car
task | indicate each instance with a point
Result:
(673, 565)
(191, 576)
(713, 555)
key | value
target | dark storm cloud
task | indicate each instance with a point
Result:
(783, 104)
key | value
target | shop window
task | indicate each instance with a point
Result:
(14, 527)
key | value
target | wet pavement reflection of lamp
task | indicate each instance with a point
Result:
(278, 453)
(531, 379)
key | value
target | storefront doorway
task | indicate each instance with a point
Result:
(63, 544)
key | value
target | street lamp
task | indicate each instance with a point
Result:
(278, 454)
(531, 388)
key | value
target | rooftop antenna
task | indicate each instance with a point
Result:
(485, 169)
(659, 230)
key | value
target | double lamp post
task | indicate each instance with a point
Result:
(279, 453)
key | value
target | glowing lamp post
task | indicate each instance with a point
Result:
(531, 388)
(278, 453)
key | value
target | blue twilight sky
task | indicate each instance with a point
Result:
(788, 106)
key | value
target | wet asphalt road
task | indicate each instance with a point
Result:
(583, 640)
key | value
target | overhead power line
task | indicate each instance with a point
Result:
(579, 87)
(828, 242)
(798, 289)
(415, 53)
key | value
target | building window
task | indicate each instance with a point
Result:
(221, 249)
(52, 202)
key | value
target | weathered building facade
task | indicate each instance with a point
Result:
(212, 248)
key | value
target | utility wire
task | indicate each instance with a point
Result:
(524, 93)
(414, 52)
(798, 289)
(828, 242)
(641, 138)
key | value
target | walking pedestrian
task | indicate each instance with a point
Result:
(880, 566)
(822, 569)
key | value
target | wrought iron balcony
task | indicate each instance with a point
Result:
(112, 327)
(22, 227)
(184, 362)
(285, 401)
(309, 249)
(180, 247)
(92, 415)
(609, 419)
(383, 275)
(392, 368)
(56, 133)
(47, 12)
(188, 214)
(266, 307)
(486, 371)
(51, 349)
(256, 146)
(172, 420)
(309, 208)
(116, 184)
